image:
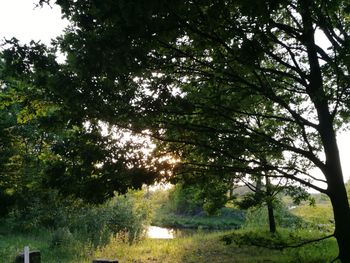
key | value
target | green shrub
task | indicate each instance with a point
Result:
(72, 219)
(136, 213)
(61, 237)
(48, 210)
(129, 214)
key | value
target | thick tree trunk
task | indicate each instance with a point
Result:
(337, 193)
(342, 226)
(336, 189)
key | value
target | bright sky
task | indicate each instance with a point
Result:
(20, 19)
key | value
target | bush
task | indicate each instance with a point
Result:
(61, 237)
(48, 210)
(70, 219)
(129, 214)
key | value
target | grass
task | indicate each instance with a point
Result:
(197, 248)
(12, 244)
(319, 214)
(201, 247)
(210, 248)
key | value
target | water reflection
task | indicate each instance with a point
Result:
(160, 232)
(170, 233)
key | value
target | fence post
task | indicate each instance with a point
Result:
(26, 254)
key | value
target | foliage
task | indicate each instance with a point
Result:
(257, 218)
(319, 216)
(234, 220)
(48, 210)
(61, 237)
(70, 219)
(183, 212)
(48, 143)
(191, 199)
(185, 200)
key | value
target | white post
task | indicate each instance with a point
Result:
(26, 254)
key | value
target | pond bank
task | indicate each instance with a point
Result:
(228, 219)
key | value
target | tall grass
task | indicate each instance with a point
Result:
(209, 247)
(13, 243)
(201, 247)
(73, 234)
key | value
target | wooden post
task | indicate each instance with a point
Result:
(26, 254)
(34, 256)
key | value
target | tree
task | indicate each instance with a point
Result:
(215, 67)
(6, 152)
(47, 141)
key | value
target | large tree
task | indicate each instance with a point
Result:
(229, 79)
(49, 141)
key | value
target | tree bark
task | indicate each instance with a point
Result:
(342, 226)
(270, 210)
(336, 187)
(338, 196)
(332, 170)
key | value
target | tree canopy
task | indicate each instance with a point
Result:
(49, 141)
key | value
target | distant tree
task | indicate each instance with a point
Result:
(264, 193)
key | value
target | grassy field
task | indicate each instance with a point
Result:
(201, 247)
(210, 248)
(319, 214)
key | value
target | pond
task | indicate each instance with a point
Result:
(156, 232)
(160, 232)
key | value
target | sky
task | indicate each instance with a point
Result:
(21, 19)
